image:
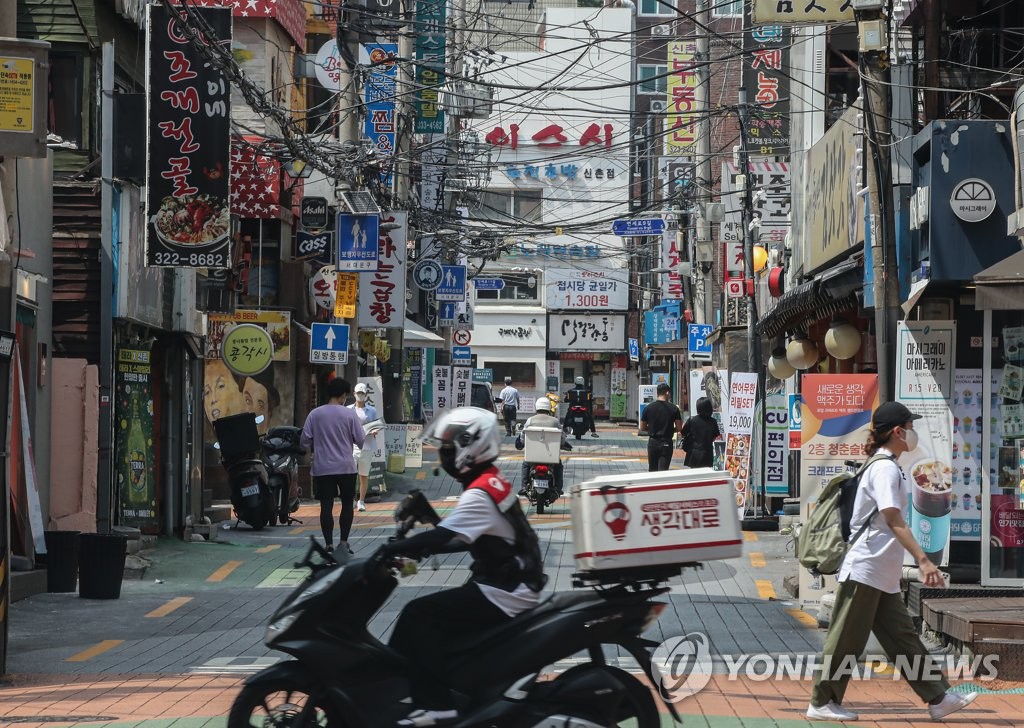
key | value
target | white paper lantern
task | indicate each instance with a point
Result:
(842, 340)
(779, 367)
(802, 353)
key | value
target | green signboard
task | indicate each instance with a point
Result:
(430, 59)
(133, 442)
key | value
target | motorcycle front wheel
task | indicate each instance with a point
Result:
(280, 704)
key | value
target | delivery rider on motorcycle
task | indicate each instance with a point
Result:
(507, 573)
(545, 418)
(580, 396)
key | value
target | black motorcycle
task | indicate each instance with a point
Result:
(281, 451)
(577, 421)
(342, 676)
(238, 441)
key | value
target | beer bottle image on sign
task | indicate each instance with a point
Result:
(137, 456)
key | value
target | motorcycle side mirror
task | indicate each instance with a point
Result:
(259, 419)
(216, 446)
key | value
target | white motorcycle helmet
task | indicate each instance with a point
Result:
(579, 381)
(466, 438)
(544, 405)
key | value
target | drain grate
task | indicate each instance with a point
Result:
(59, 719)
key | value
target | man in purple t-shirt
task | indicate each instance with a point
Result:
(330, 432)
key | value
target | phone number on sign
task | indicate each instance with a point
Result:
(201, 260)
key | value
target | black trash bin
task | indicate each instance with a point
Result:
(61, 560)
(101, 565)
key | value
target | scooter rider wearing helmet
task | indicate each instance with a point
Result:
(545, 418)
(507, 573)
(580, 396)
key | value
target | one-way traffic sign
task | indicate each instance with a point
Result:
(328, 344)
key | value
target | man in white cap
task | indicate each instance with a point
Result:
(367, 414)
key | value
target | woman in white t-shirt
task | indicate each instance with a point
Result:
(868, 597)
(363, 455)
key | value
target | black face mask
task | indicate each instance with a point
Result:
(446, 454)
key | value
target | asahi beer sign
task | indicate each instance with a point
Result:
(313, 213)
(189, 138)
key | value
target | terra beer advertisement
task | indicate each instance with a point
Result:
(834, 422)
(189, 137)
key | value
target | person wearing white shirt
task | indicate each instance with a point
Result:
(868, 597)
(364, 455)
(509, 397)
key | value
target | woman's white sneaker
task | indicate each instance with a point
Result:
(831, 711)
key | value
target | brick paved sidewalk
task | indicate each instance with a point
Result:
(203, 701)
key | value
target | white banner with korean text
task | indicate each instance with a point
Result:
(382, 292)
(587, 332)
(595, 289)
(739, 426)
(442, 389)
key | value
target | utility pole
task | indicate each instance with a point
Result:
(703, 159)
(754, 357)
(872, 28)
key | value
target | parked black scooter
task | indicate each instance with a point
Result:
(281, 451)
(343, 676)
(239, 443)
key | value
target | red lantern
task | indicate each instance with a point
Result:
(777, 282)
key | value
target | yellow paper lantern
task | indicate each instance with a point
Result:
(760, 258)
(802, 353)
(842, 340)
(779, 367)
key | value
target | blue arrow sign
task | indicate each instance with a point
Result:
(453, 284)
(641, 226)
(697, 340)
(358, 240)
(461, 356)
(488, 284)
(447, 313)
(328, 344)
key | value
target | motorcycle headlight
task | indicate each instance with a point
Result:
(319, 586)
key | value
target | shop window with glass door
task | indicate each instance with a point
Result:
(1003, 504)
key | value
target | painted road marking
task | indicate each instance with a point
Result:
(99, 649)
(802, 617)
(765, 590)
(222, 573)
(268, 549)
(749, 536)
(757, 560)
(283, 578)
(170, 607)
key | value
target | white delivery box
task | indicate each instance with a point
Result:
(639, 520)
(542, 444)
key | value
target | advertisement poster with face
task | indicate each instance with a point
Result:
(834, 423)
(925, 384)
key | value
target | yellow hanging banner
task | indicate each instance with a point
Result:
(346, 293)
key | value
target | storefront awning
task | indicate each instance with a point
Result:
(669, 348)
(827, 293)
(416, 336)
(1001, 287)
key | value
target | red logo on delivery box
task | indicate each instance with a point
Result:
(616, 516)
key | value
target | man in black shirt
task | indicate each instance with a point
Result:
(662, 420)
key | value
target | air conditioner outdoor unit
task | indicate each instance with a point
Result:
(659, 106)
(664, 30)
